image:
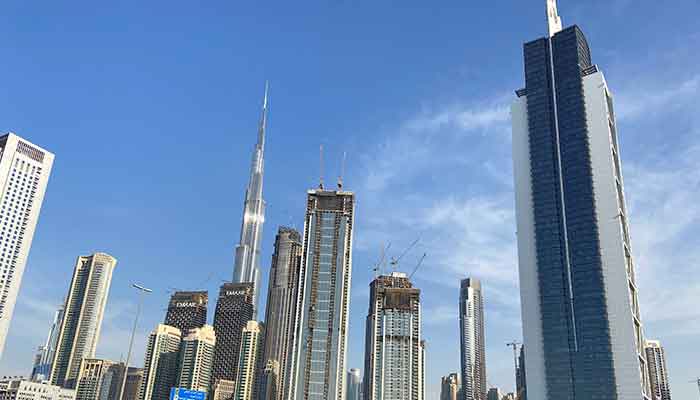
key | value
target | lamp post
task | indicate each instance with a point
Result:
(142, 291)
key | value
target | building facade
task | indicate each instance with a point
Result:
(658, 374)
(269, 381)
(20, 389)
(187, 310)
(234, 309)
(472, 340)
(248, 361)
(160, 365)
(280, 311)
(494, 394)
(132, 386)
(99, 380)
(581, 321)
(321, 323)
(521, 377)
(82, 319)
(24, 173)
(393, 353)
(450, 387)
(47, 352)
(354, 385)
(197, 359)
(247, 256)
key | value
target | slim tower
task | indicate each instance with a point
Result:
(471, 338)
(281, 305)
(321, 323)
(197, 359)
(42, 369)
(581, 321)
(658, 374)
(82, 320)
(187, 310)
(393, 354)
(24, 174)
(247, 257)
(161, 363)
(248, 361)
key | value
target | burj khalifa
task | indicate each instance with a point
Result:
(247, 257)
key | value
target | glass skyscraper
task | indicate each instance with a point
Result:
(581, 322)
(472, 340)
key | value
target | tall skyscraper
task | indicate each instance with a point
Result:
(282, 294)
(450, 387)
(187, 310)
(82, 320)
(471, 338)
(24, 174)
(247, 259)
(658, 374)
(234, 309)
(321, 324)
(581, 321)
(354, 385)
(197, 359)
(99, 380)
(393, 365)
(134, 377)
(521, 377)
(47, 352)
(160, 365)
(248, 361)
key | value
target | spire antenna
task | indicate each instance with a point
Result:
(342, 171)
(553, 19)
(320, 159)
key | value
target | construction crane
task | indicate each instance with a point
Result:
(515, 345)
(420, 262)
(378, 267)
(395, 261)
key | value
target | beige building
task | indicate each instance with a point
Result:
(197, 359)
(161, 363)
(450, 387)
(24, 174)
(99, 380)
(134, 377)
(223, 389)
(21, 389)
(82, 319)
(248, 361)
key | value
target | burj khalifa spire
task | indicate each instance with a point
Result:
(247, 258)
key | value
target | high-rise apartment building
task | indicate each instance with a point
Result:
(281, 306)
(471, 338)
(160, 365)
(354, 385)
(247, 259)
(99, 380)
(197, 359)
(223, 389)
(47, 352)
(248, 361)
(321, 324)
(82, 319)
(234, 309)
(187, 310)
(658, 374)
(24, 174)
(581, 321)
(450, 387)
(132, 386)
(494, 394)
(393, 364)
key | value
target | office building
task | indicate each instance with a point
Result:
(248, 361)
(471, 338)
(658, 374)
(581, 321)
(47, 352)
(520, 377)
(187, 310)
(354, 385)
(82, 319)
(234, 309)
(494, 394)
(134, 378)
(99, 380)
(160, 365)
(321, 324)
(197, 359)
(282, 294)
(24, 174)
(21, 389)
(450, 387)
(247, 259)
(393, 353)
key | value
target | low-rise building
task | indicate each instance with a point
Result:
(24, 389)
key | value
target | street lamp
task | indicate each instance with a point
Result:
(142, 292)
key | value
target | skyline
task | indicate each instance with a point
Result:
(472, 118)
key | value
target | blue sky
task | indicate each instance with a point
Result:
(151, 110)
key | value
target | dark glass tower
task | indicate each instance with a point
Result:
(234, 309)
(581, 320)
(187, 310)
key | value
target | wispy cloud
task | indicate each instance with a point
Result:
(641, 101)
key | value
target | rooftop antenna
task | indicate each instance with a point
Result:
(320, 157)
(342, 171)
(553, 19)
